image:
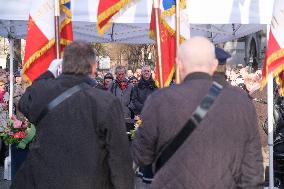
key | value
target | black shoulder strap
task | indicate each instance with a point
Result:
(59, 99)
(195, 119)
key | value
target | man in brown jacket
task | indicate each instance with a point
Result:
(223, 152)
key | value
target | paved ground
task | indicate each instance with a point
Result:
(4, 184)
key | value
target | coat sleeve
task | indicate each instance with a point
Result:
(32, 93)
(252, 164)
(144, 144)
(119, 158)
(137, 105)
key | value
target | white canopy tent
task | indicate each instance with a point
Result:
(219, 20)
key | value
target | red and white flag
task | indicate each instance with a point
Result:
(40, 41)
(106, 10)
(274, 57)
(168, 37)
(40, 44)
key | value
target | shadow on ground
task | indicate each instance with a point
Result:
(4, 184)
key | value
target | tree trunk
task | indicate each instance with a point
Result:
(17, 56)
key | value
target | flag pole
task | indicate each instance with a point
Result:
(177, 38)
(270, 97)
(57, 28)
(158, 41)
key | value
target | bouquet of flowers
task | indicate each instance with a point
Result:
(18, 132)
(138, 122)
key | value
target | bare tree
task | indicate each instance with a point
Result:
(100, 49)
(17, 55)
(139, 55)
(132, 56)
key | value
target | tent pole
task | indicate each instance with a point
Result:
(11, 76)
(57, 27)
(158, 41)
(7, 168)
(177, 38)
(11, 91)
(270, 97)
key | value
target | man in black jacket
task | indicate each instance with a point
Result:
(81, 143)
(143, 89)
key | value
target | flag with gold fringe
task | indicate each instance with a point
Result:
(168, 36)
(274, 57)
(106, 10)
(40, 41)
(66, 32)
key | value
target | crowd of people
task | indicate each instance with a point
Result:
(84, 140)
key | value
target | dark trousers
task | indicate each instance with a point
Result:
(3, 152)
(129, 126)
(146, 174)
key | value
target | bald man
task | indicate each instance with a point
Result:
(223, 152)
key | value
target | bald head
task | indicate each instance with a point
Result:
(196, 55)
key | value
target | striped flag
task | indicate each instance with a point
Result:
(40, 41)
(66, 32)
(274, 57)
(168, 36)
(106, 10)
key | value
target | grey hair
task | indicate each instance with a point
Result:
(78, 58)
(120, 68)
(146, 66)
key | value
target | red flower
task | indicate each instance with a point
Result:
(20, 134)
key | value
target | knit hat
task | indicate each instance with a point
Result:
(108, 76)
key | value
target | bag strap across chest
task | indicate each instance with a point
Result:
(62, 97)
(195, 119)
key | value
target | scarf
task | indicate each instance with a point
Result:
(122, 84)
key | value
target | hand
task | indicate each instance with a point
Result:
(137, 117)
(54, 66)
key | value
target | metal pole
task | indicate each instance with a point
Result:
(7, 168)
(270, 128)
(177, 38)
(11, 49)
(57, 27)
(270, 122)
(158, 41)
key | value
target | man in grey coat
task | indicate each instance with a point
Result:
(123, 90)
(81, 143)
(223, 152)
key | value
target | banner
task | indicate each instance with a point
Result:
(40, 41)
(106, 10)
(274, 57)
(168, 36)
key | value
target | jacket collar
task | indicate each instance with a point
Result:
(146, 83)
(76, 78)
(197, 75)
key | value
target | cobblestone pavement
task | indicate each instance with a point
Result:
(4, 184)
